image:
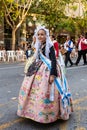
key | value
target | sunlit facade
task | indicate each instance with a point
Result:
(75, 9)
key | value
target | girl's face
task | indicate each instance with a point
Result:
(42, 36)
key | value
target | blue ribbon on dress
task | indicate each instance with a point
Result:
(61, 87)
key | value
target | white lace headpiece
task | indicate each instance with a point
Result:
(49, 43)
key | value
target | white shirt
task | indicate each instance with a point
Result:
(67, 43)
(85, 41)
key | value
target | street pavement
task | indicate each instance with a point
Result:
(11, 77)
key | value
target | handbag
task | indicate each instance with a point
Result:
(63, 51)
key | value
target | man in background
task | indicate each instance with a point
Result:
(68, 45)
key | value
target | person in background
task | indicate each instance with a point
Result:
(44, 95)
(55, 44)
(68, 45)
(58, 54)
(82, 47)
(28, 51)
(57, 50)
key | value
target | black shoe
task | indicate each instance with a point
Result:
(85, 64)
(76, 64)
(71, 65)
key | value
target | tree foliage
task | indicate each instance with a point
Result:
(15, 12)
(1, 10)
(51, 12)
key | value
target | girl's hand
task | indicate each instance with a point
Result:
(51, 79)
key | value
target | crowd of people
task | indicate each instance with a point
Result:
(78, 50)
(68, 49)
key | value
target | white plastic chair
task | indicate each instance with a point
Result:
(3, 55)
(11, 55)
(20, 55)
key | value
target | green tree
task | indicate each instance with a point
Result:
(15, 12)
(54, 16)
(50, 11)
(1, 10)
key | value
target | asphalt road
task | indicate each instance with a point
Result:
(11, 77)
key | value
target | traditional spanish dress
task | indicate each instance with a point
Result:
(40, 101)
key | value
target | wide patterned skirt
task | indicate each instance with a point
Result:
(34, 98)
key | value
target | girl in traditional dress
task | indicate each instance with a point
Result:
(44, 95)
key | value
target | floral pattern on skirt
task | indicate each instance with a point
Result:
(34, 100)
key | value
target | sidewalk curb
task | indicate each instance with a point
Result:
(7, 63)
